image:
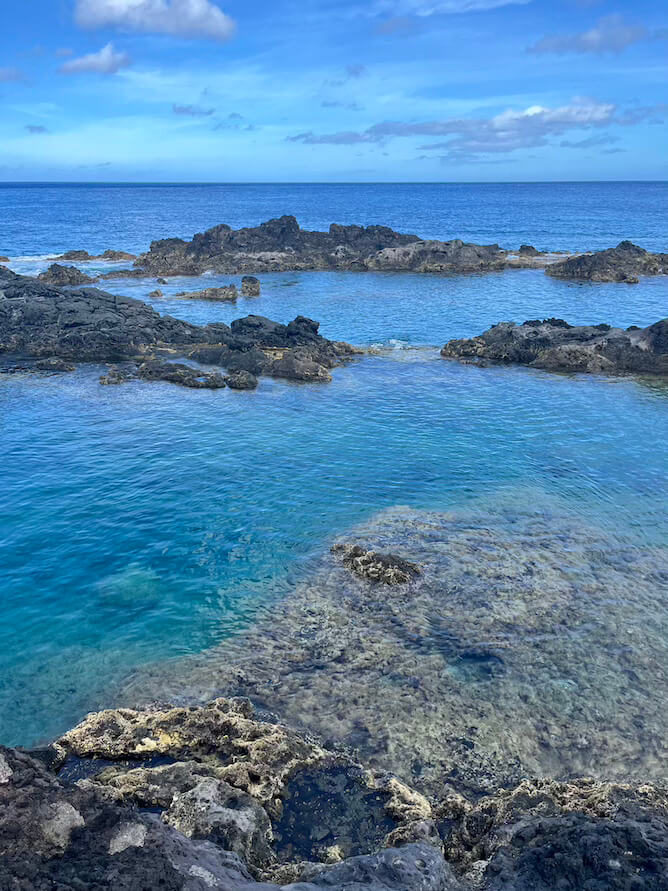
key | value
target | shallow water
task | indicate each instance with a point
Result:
(146, 522)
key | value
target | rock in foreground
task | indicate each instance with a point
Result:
(389, 569)
(555, 345)
(623, 263)
(214, 797)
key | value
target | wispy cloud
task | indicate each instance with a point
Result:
(105, 61)
(424, 8)
(590, 141)
(11, 74)
(336, 103)
(611, 34)
(355, 71)
(182, 18)
(36, 128)
(194, 111)
(474, 138)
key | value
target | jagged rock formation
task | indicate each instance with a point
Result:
(623, 263)
(90, 325)
(214, 797)
(555, 345)
(64, 276)
(282, 245)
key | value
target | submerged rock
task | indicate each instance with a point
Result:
(156, 293)
(621, 264)
(227, 293)
(387, 568)
(250, 286)
(555, 345)
(54, 364)
(63, 276)
(478, 673)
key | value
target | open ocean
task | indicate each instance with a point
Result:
(144, 523)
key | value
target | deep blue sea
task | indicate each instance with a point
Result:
(144, 522)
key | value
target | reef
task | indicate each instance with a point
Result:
(89, 325)
(507, 657)
(623, 263)
(386, 568)
(220, 797)
(554, 345)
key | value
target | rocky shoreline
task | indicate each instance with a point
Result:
(216, 797)
(40, 321)
(280, 245)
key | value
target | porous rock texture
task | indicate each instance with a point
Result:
(555, 345)
(204, 798)
(215, 798)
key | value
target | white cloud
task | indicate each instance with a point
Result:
(611, 34)
(105, 61)
(183, 18)
(473, 138)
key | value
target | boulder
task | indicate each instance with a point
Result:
(250, 286)
(227, 293)
(185, 375)
(241, 380)
(64, 276)
(386, 568)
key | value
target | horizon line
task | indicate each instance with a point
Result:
(65, 182)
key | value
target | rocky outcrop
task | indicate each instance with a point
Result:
(64, 276)
(90, 325)
(84, 256)
(623, 263)
(228, 294)
(281, 244)
(241, 380)
(555, 345)
(545, 835)
(250, 286)
(215, 797)
(389, 569)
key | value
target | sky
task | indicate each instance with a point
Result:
(327, 91)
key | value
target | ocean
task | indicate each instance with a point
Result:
(144, 524)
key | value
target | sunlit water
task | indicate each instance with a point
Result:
(145, 522)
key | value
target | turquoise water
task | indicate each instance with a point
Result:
(144, 522)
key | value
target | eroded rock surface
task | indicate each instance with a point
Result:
(555, 345)
(623, 263)
(390, 569)
(250, 286)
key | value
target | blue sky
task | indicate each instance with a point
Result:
(386, 90)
